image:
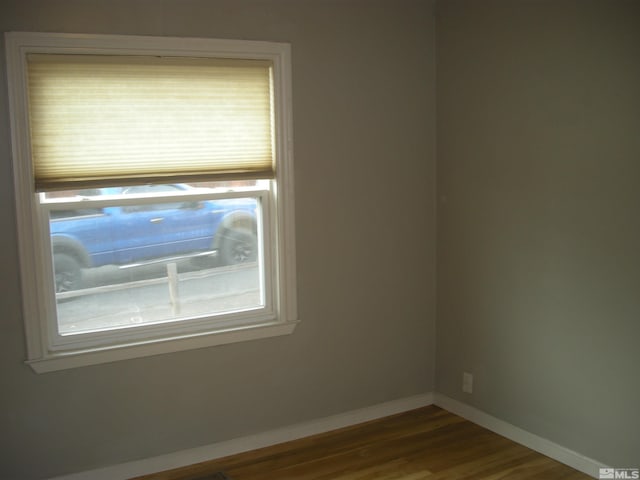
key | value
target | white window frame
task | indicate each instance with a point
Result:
(37, 279)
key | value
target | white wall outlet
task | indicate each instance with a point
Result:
(467, 382)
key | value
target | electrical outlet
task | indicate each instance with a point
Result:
(467, 382)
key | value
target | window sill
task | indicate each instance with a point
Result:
(53, 361)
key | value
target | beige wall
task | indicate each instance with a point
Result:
(363, 85)
(538, 230)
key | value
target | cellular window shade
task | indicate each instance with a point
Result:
(101, 119)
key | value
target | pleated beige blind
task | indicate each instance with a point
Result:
(100, 119)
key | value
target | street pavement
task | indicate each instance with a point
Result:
(120, 298)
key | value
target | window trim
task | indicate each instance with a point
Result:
(32, 259)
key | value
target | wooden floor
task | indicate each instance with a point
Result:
(427, 443)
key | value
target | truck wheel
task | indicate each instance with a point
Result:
(239, 246)
(68, 272)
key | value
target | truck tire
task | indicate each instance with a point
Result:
(68, 272)
(238, 246)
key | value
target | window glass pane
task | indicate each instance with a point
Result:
(154, 261)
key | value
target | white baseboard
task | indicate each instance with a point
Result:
(553, 450)
(183, 458)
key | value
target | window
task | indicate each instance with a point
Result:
(154, 194)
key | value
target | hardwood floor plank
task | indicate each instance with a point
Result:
(424, 444)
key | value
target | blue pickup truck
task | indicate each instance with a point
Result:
(219, 231)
